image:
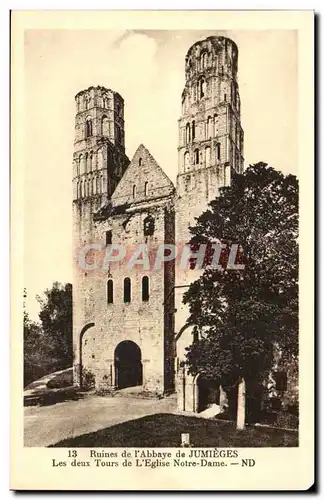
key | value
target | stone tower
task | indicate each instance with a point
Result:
(210, 150)
(210, 132)
(99, 161)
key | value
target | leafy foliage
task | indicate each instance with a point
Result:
(242, 314)
(48, 344)
(56, 320)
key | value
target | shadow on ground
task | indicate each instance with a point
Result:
(164, 430)
(51, 397)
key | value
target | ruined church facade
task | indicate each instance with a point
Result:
(130, 326)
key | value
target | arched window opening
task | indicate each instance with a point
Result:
(196, 155)
(187, 133)
(94, 190)
(204, 60)
(86, 161)
(146, 188)
(81, 190)
(201, 88)
(193, 130)
(97, 185)
(148, 226)
(134, 191)
(140, 162)
(145, 289)
(225, 97)
(207, 156)
(105, 126)
(110, 291)
(88, 127)
(77, 190)
(90, 161)
(127, 290)
(89, 188)
(105, 102)
(82, 164)
(186, 160)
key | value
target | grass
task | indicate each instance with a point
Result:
(164, 430)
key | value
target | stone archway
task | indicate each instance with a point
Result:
(80, 365)
(128, 365)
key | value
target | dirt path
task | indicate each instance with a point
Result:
(46, 425)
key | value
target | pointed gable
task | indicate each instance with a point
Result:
(143, 180)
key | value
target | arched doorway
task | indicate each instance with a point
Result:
(128, 365)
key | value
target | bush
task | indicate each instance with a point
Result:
(88, 380)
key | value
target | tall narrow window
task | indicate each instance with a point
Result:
(134, 191)
(186, 160)
(77, 190)
(88, 127)
(187, 133)
(127, 290)
(145, 289)
(225, 97)
(86, 162)
(90, 160)
(193, 130)
(196, 153)
(146, 188)
(82, 164)
(209, 127)
(105, 126)
(148, 226)
(203, 60)
(201, 87)
(110, 291)
(140, 162)
(108, 237)
(207, 156)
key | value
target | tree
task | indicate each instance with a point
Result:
(56, 320)
(242, 314)
(32, 338)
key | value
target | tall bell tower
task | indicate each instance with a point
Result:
(210, 131)
(210, 149)
(99, 161)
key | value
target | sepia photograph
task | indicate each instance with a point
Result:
(161, 290)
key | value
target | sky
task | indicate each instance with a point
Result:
(147, 69)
